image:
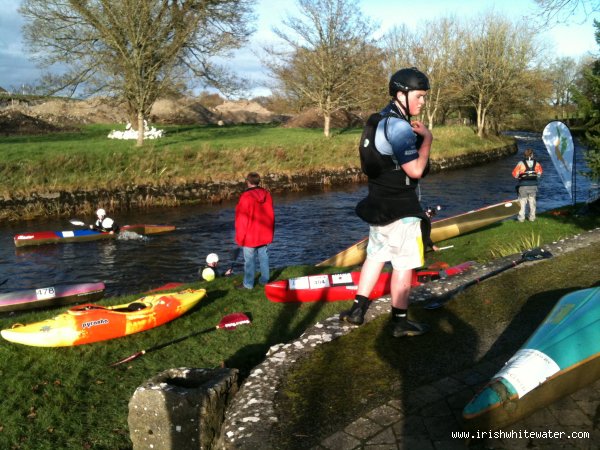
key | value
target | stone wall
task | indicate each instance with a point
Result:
(132, 197)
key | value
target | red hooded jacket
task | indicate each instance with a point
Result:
(254, 218)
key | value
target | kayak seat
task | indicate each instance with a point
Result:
(82, 309)
(131, 307)
(135, 306)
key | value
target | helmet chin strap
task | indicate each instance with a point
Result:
(404, 110)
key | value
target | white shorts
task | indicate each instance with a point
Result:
(399, 242)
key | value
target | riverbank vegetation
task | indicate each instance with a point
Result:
(194, 153)
(70, 398)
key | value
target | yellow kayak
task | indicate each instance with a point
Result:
(84, 324)
(440, 231)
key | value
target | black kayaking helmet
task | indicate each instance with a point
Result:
(410, 79)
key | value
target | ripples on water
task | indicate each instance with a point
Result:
(309, 228)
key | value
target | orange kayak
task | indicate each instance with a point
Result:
(84, 324)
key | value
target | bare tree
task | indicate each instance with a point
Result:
(526, 104)
(433, 51)
(329, 59)
(493, 61)
(136, 49)
(398, 44)
(436, 54)
(560, 11)
(563, 72)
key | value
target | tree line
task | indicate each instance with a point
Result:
(489, 70)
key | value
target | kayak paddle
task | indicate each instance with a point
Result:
(529, 255)
(3, 282)
(79, 223)
(228, 322)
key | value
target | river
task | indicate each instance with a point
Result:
(309, 228)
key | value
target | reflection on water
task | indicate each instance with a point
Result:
(309, 228)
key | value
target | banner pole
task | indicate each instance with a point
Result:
(574, 176)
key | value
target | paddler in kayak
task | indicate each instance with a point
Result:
(211, 270)
(394, 155)
(104, 224)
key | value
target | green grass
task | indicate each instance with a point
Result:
(88, 160)
(348, 377)
(69, 398)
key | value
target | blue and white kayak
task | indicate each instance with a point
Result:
(560, 357)
(83, 235)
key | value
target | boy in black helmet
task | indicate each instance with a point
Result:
(392, 207)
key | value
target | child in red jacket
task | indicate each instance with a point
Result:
(254, 229)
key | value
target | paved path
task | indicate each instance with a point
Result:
(429, 416)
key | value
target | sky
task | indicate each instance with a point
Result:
(575, 40)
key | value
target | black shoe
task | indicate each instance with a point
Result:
(409, 328)
(354, 316)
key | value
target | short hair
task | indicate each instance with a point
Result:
(528, 153)
(253, 178)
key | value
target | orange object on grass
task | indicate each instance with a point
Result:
(84, 324)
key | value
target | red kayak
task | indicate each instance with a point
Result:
(167, 287)
(343, 286)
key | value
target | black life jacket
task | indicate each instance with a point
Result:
(391, 191)
(372, 162)
(530, 173)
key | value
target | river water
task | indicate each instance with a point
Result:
(310, 227)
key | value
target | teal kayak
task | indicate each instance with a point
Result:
(560, 357)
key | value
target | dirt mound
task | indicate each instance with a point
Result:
(36, 117)
(180, 111)
(53, 115)
(95, 110)
(244, 111)
(17, 123)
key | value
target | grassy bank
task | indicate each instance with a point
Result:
(88, 160)
(69, 397)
